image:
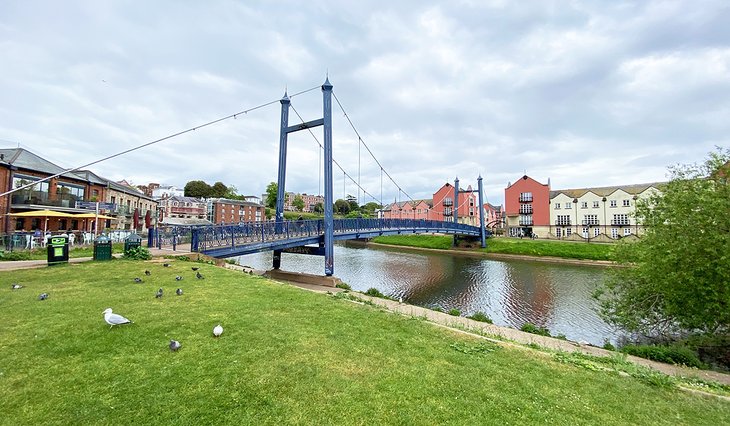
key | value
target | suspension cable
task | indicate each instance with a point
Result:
(144, 145)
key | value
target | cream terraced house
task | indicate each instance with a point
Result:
(600, 214)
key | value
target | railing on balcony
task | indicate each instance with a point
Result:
(620, 222)
(42, 198)
(589, 222)
(525, 210)
(448, 202)
(562, 223)
(526, 223)
(525, 199)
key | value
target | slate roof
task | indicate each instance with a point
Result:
(605, 191)
(24, 159)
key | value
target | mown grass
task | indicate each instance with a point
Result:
(564, 249)
(286, 356)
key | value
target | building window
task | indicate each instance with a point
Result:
(596, 232)
(448, 201)
(627, 231)
(590, 219)
(526, 197)
(563, 220)
(627, 203)
(557, 206)
(525, 208)
(614, 233)
(585, 232)
(568, 206)
(620, 219)
(584, 204)
(595, 204)
(613, 203)
(558, 232)
(568, 231)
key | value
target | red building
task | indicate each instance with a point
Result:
(222, 211)
(493, 216)
(467, 210)
(417, 209)
(527, 207)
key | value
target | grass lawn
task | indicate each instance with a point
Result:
(286, 356)
(565, 249)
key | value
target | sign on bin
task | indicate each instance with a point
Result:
(58, 250)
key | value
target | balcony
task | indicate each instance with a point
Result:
(525, 199)
(562, 223)
(524, 210)
(526, 223)
(41, 198)
(620, 223)
(448, 202)
(590, 222)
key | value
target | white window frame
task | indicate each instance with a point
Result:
(557, 206)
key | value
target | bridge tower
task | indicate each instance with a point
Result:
(285, 129)
(456, 207)
(481, 213)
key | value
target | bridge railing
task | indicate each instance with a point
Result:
(217, 236)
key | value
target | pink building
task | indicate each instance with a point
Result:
(467, 210)
(418, 209)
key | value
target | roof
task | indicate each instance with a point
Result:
(605, 191)
(185, 221)
(24, 159)
(413, 203)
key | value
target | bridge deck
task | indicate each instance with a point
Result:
(234, 240)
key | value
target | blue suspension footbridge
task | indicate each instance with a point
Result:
(299, 236)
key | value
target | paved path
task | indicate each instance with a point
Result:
(29, 264)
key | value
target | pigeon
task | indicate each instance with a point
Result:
(195, 268)
(174, 345)
(16, 287)
(166, 265)
(114, 319)
(137, 279)
(199, 276)
(179, 292)
(217, 330)
(158, 294)
(148, 273)
(43, 296)
(178, 278)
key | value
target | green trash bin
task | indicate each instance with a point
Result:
(102, 248)
(58, 250)
(132, 241)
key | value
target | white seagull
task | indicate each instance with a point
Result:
(217, 330)
(114, 319)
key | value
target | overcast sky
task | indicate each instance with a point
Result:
(584, 93)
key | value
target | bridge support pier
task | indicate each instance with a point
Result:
(481, 213)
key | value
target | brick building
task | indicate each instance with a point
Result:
(223, 210)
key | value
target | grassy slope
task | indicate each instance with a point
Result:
(565, 249)
(286, 355)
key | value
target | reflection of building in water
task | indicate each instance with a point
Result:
(529, 296)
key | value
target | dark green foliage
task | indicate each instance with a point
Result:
(454, 312)
(676, 278)
(607, 345)
(372, 291)
(668, 354)
(15, 255)
(271, 194)
(138, 253)
(532, 328)
(298, 203)
(318, 208)
(343, 286)
(197, 189)
(342, 207)
(480, 316)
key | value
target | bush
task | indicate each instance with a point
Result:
(668, 354)
(532, 328)
(372, 291)
(138, 253)
(454, 312)
(344, 286)
(607, 345)
(480, 316)
(15, 255)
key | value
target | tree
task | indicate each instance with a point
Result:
(271, 193)
(318, 208)
(298, 203)
(370, 208)
(218, 190)
(676, 278)
(342, 207)
(197, 189)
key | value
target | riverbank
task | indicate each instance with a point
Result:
(285, 355)
(503, 248)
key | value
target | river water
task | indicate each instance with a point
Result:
(511, 292)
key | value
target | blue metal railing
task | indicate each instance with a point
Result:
(206, 238)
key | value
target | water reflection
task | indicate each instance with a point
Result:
(510, 292)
